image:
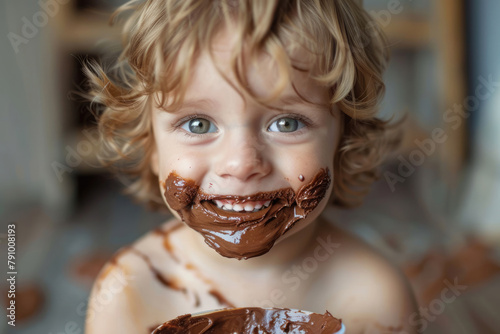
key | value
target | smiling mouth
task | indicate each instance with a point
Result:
(245, 226)
(241, 206)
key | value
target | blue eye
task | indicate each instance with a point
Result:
(199, 126)
(286, 124)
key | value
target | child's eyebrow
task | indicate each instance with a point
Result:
(198, 103)
(289, 99)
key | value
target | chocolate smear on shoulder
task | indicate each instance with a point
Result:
(253, 320)
(244, 235)
(118, 254)
(114, 261)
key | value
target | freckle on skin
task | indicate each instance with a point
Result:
(301, 178)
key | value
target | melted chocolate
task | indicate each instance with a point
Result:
(253, 320)
(152, 328)
(243, 235)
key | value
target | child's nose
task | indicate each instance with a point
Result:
(243, 159)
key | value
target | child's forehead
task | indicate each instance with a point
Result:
(227, 40)
(257, 73)
(263, 73)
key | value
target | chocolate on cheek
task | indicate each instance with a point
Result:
(243, 235)
(179, 192)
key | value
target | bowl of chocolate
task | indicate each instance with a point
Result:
(252, 320)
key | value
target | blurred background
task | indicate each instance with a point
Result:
(434, 212)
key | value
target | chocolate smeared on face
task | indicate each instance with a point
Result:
(243, 235)
(253, 320)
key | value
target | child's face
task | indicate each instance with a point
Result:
(232, 147)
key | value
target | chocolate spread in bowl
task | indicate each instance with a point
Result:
(243, 235)
(253, 320)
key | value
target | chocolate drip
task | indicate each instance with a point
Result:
(159, 276)
(243, 235)
(253, 320)
(213, 292)
(220, 298)
(168, 247)
(197, 301)
(166, 242)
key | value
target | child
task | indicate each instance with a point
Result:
(245, 118)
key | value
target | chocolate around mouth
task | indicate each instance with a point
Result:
(243, 235)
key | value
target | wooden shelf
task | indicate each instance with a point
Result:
(409, 33)
(80, 32)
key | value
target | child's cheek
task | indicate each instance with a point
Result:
(187, 164)
(299, 167)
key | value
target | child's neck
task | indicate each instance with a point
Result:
(284, 251)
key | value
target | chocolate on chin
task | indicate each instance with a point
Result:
(243, 235)
(253, 320)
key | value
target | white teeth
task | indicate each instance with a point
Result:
(238, 207)
(247, 207)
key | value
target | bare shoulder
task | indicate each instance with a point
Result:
(135, 274)
(365, 289)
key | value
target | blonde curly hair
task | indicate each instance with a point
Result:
(162, 39)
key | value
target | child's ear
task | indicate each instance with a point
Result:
(155, 162)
